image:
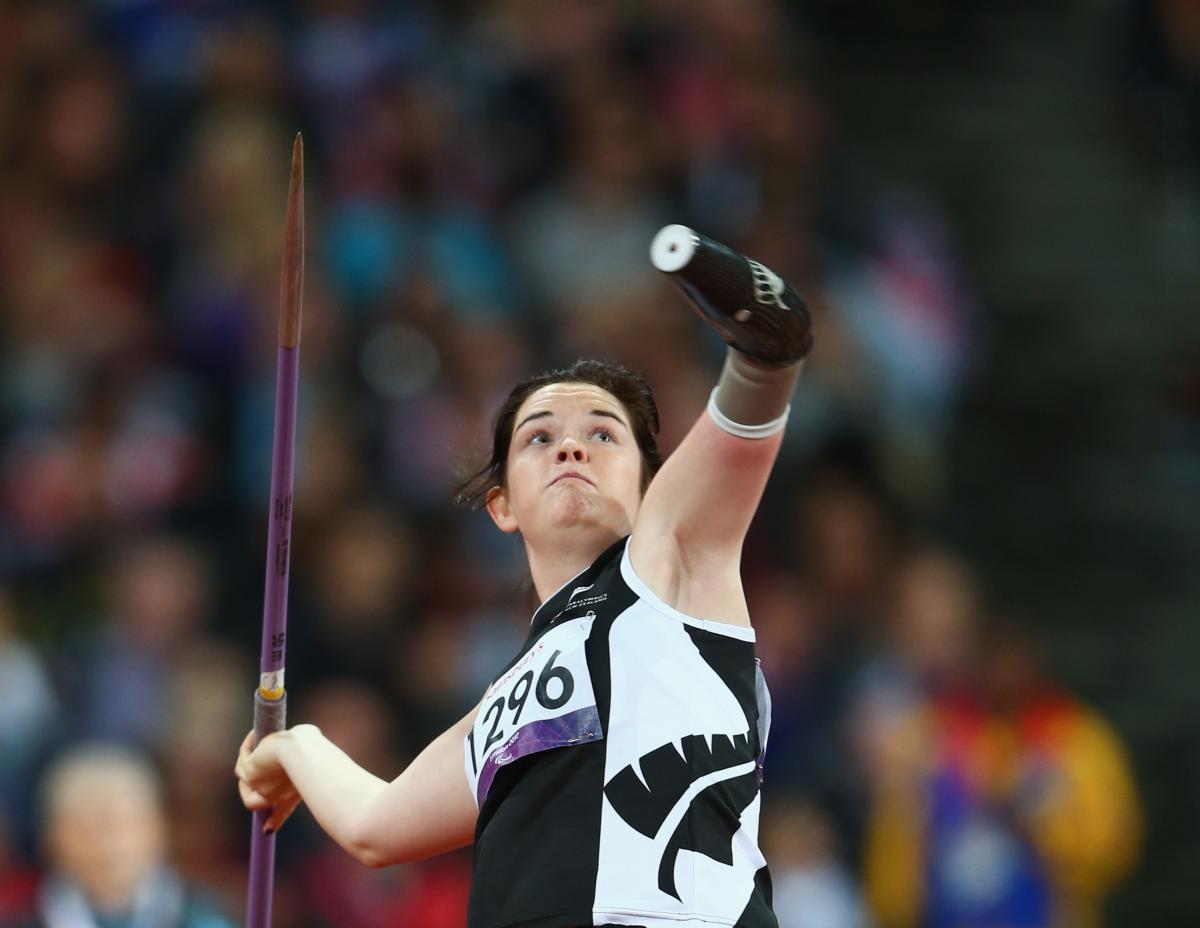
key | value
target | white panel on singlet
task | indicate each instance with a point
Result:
(664, 691)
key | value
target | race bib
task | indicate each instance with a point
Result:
(545, 700)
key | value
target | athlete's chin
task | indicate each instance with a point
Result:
(574, 510)
(577, 511)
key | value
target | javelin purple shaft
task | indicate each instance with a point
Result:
(270, 699)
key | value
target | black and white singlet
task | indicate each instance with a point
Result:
(617, 762)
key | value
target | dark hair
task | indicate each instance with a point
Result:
(624, 383)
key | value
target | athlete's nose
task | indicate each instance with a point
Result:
(571, 450)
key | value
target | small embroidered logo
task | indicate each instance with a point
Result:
(577, 591)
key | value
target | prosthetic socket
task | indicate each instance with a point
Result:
(756, 313)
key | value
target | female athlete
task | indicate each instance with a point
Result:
(610, 775)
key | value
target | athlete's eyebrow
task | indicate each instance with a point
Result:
(610, 415)
(531, 417)
(546, 412)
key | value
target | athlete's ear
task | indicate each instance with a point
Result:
(500, 511)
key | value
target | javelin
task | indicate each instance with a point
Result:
(270, 700)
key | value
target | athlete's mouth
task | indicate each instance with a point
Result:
(571, 473)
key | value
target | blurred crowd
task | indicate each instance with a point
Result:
(483, 181)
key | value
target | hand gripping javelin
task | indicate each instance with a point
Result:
(270, 700)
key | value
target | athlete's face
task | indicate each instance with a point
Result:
(574, 461)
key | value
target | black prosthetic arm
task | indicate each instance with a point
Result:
(759, 316)
(753, 309)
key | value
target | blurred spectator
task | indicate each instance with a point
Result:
(845, 535)
(820, 629)
(583, 241)
(118, 674)
(209, 710)
(812, 887)
(926, 652)
(105, 845)
(905, 306)
(1003, 802)
(29, 714)
(353, 599)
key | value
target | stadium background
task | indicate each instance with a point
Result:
(992, 209)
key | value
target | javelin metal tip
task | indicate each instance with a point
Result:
(291, 280)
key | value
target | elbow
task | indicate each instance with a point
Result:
(370, 854)
(370, 857)
(376, 857)
(366, 848)
(376, 852)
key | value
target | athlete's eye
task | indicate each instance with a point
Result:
(539, 434)
(607, 435)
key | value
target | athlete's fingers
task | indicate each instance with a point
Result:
(250, 775)
(252, 799)
(243, 754)
(259, 765)
(281, 813)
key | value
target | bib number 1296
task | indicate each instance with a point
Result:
(545, 700)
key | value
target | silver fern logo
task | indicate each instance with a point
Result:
(768, 286)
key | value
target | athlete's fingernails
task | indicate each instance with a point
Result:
(268, 830)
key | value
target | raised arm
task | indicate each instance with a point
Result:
(426, 810)
(688, 535)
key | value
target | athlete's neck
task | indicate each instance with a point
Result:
(553, 563)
